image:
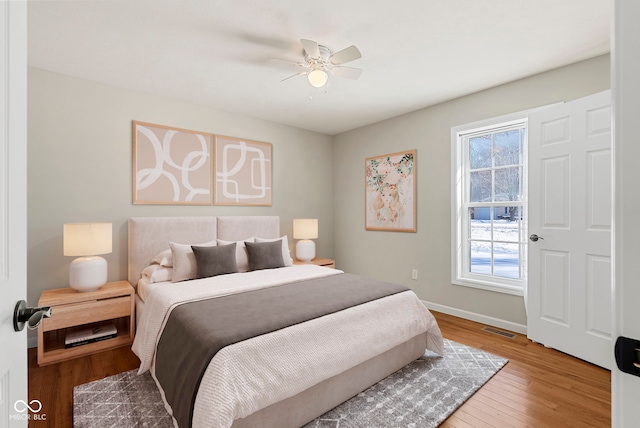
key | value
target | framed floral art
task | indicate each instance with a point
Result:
(390, 192)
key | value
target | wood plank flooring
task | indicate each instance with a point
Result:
(539, 387)
(53, 384)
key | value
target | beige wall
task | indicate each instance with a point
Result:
(79, 168)
(392, 256)
(79, 164)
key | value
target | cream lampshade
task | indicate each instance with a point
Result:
(305, 229)
(87, 240)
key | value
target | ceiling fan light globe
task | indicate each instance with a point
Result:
(318, 78)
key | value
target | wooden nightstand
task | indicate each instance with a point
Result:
(113, 303)
(317, 261)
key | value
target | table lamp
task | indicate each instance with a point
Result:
(305, 229)
(87, 240)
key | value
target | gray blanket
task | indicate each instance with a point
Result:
(196, 331)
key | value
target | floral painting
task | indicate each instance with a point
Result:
(391, 192)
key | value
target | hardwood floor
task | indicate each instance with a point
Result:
(53, 384)
(539, 387)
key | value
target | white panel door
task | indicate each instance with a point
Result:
(625, 58)
(569, 271)
(13, 210)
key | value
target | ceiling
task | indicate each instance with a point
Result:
(415, 53)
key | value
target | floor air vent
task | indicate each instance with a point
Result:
(499, 332)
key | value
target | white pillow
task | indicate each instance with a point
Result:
(157, 273)
(184, 261)
(242, 260)
(286, 254)
(163, 258)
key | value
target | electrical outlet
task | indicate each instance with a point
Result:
(414, 274)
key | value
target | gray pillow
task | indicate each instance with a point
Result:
(213, 261)
(264, 255)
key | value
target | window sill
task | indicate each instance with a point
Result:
(490, 286)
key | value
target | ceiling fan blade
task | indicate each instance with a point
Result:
(348, 72)
(295, 75)
(345, 55)
(287, 62)
(311, 48)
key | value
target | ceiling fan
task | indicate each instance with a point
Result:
(320, 62)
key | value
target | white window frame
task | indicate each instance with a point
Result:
(460, 238)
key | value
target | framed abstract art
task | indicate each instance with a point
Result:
(171, 166)
(390, 192)
(242, 172)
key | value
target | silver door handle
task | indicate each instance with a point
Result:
(32, 317)
(535, 237)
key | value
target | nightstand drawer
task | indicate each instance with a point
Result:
(87, 312)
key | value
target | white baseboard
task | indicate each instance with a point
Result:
(484, 319)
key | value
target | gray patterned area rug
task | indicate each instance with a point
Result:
(421, 395)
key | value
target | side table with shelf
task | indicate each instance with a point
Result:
(317, 261)
(113, 303)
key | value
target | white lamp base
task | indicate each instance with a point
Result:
(305, 250)
(88, 273)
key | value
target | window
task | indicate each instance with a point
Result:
(490, 205)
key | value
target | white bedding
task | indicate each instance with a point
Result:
(159, 304)
(145, 287)
(248, 376)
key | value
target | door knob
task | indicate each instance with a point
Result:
(535, 237)
(32, 317)
(627, 353)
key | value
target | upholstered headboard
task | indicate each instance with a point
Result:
(237, 228)
(150, 235)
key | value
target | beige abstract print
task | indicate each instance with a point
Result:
(171, 165)
(242, 171)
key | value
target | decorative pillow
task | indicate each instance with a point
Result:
(184, 261)
(264, 255)
(213, 261)
(157, 273)
(241, 253)
(286, 254)
(163, 258)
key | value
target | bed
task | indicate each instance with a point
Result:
(283, 377)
